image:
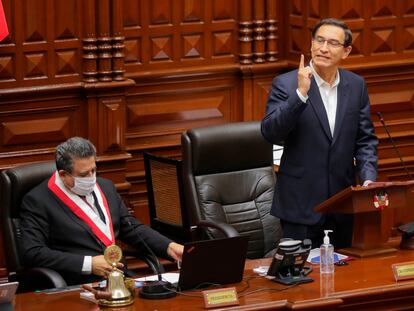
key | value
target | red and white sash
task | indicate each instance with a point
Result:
(103, 231)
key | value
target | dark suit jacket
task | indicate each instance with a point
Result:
(315, 165)
(54, 237)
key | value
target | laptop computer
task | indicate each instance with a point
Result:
(7, 293)
(219, 261)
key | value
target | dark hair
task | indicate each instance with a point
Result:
(72, 149)
(337, 23)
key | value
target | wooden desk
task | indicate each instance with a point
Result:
(364, 284)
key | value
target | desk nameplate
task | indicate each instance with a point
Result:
(221, 297)
(403, 270)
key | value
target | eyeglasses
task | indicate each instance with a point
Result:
(332, 43)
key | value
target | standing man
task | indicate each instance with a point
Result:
(69, 219)
(321, 115)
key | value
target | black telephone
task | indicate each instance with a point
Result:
(288, 265)
(407, 239)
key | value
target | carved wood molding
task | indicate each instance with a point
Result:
(258, 31)
(271, 29)
(118, 44)
(90, 47)
(103, 41)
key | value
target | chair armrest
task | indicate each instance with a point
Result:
(152, 261)
(226, 229)
(48, 278)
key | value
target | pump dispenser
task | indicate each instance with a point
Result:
(327, 255)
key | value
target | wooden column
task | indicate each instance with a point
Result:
(104, 42)
(90, 48)
(245, 32)
(271, 27)
(107, 129)
(259, 32)
(118, 45)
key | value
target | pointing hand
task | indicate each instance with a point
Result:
(304, 77)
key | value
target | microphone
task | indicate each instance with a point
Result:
(156, 289)
(393, 145)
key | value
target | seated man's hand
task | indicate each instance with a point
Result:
(175, 250)
(100, 267)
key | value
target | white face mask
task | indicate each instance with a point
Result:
(84, 185)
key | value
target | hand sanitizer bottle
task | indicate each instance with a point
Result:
(327, 255)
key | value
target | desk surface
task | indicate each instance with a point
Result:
(362, 285)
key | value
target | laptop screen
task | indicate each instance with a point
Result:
(218, 261)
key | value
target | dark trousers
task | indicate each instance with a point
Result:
(340, 224)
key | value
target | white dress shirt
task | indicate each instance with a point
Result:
(329, 95)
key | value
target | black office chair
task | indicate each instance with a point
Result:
(166, 203)
(229, 177)
(165, 199)
(15, 183)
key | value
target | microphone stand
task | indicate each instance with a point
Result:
(407, 239)
(156, 289)
(394, 146)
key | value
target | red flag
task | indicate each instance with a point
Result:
(4, 30)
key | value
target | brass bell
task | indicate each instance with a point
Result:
(120, 295)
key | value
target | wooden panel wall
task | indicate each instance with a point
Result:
(132, 75)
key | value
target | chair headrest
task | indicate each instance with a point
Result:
(23, 178)
(228, 147)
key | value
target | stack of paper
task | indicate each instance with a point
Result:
(314, 256)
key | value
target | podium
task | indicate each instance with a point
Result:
(367, 204)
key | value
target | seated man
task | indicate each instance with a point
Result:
(69, 220)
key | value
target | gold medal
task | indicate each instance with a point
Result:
(113, 255)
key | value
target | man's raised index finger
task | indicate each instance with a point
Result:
(302, 62)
